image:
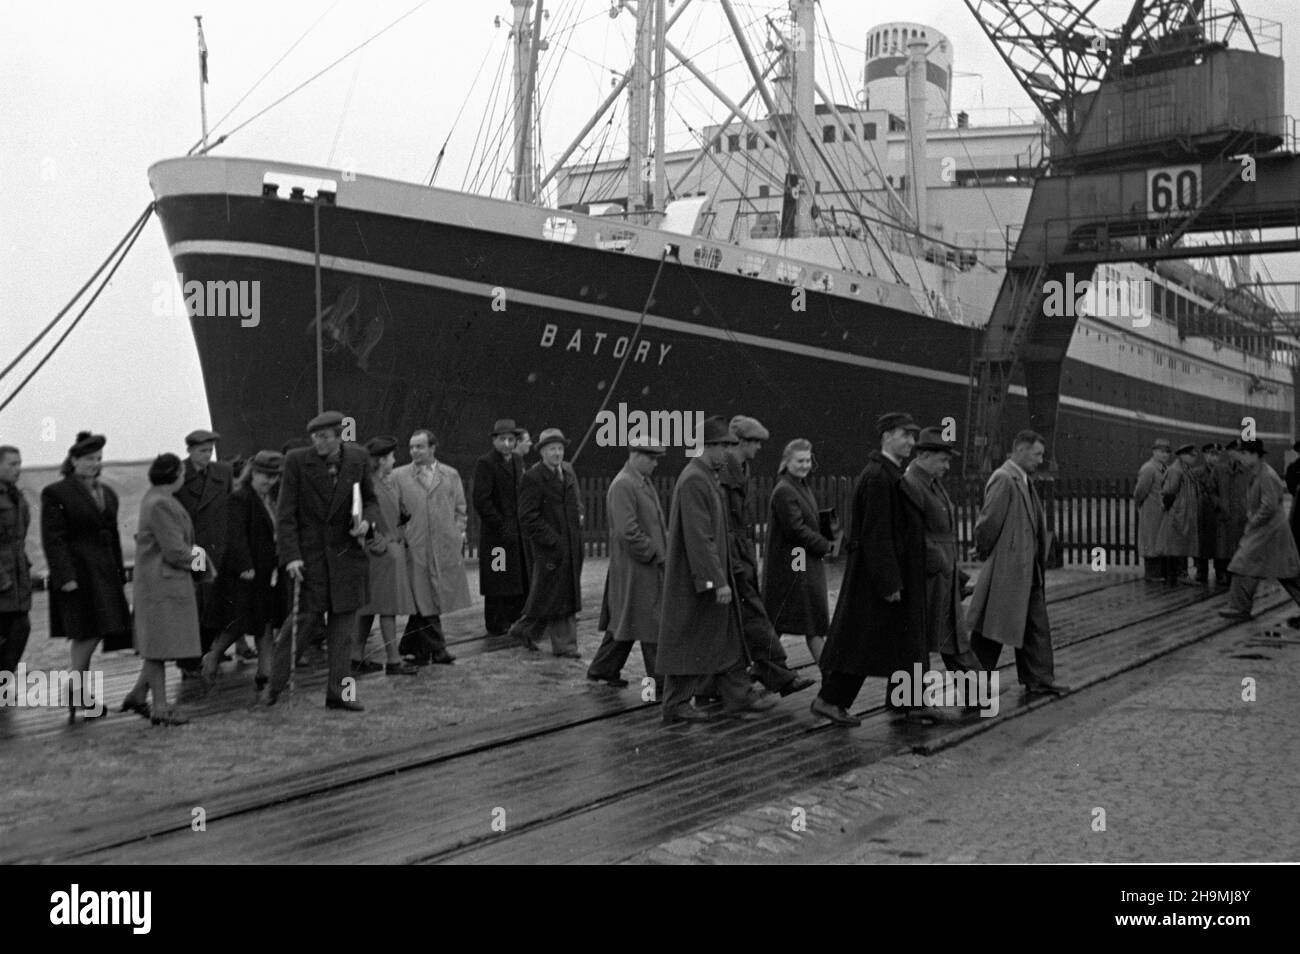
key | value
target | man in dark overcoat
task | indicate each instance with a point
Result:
(879, 624)
(15, 567)
(319, 544)
(1207, 523)
(945, 623)
(1009, 607)
(502, 549)
(770, 665)
(550, 511)
(699, 629)
(634, 586)
(204, 494)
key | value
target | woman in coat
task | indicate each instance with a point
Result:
(84, 552)
(390, 586)
(166, 611)
(248, 587)
(794, 587)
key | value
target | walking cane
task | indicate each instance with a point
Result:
(293, 637)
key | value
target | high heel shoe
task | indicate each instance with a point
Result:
(132, 704)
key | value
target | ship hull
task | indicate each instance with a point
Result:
(444, 325)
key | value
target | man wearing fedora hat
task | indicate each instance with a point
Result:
(700, 637)
(1179, 536)
(204, 495)
(1268, 548)
(1147, 497)
(945, 625)
(879, 624)
(638, 547)
(550, 511)
(502, 548)
(770, 664)
(319, 543)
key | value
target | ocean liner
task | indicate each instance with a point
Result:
(813, 269)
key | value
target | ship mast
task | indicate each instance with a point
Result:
(638, 109)
(526, 39)
(803, 118)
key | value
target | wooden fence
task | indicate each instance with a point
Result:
(1083, 513)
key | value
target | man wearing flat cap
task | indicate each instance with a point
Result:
(700, 641)
(945, 625)
(879, 624)
(770, 665)
(319, 541)
(204, 495)
(550, 511)
(502, 549)
(1179, 536)
(638, 548)
(1268, 548)
(1147, 497)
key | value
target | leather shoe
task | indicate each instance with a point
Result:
(444, 658)
(344, 705)
(687, 713)
(1047, 689)
(755, 702)
(836, 714)
(618, 682)
(1233, 614)
(797, 684)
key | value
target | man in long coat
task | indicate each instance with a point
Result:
(638, 547)
(1009, 607)
(434, 496)
(879, 624)
(1268, 549)
(770, 664)
(1232, 481)
(1179, 536)
(1207, 520)
(1146, 495)
(550, 510)
(945, 623)
(15, 567)
(502, 549)
(699, 630)
(203, 494)
(319, 544)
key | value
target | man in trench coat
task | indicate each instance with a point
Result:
(1146, 495)
(432, 494)
(319, 544)
(638, 547)
(945, 623)
(699, 631)
(550, 511)
(1009, 607)
(502, 548)
(204, 496)
(879, 624)
(1268, 548)
(1179, 536)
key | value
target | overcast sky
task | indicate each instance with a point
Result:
(91, 94)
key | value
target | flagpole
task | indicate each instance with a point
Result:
(203, 82)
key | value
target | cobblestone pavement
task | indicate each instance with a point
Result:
(1184, 768)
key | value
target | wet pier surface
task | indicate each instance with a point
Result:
(505, 757)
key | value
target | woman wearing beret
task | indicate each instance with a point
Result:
(247, 583)
(390, 586)
(794, 585)
(84, 552)
(166, 610)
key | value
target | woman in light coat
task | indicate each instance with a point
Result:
(166, 612)
(390, 586)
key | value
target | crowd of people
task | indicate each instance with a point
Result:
(305, 548)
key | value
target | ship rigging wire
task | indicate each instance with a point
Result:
(129, 240)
